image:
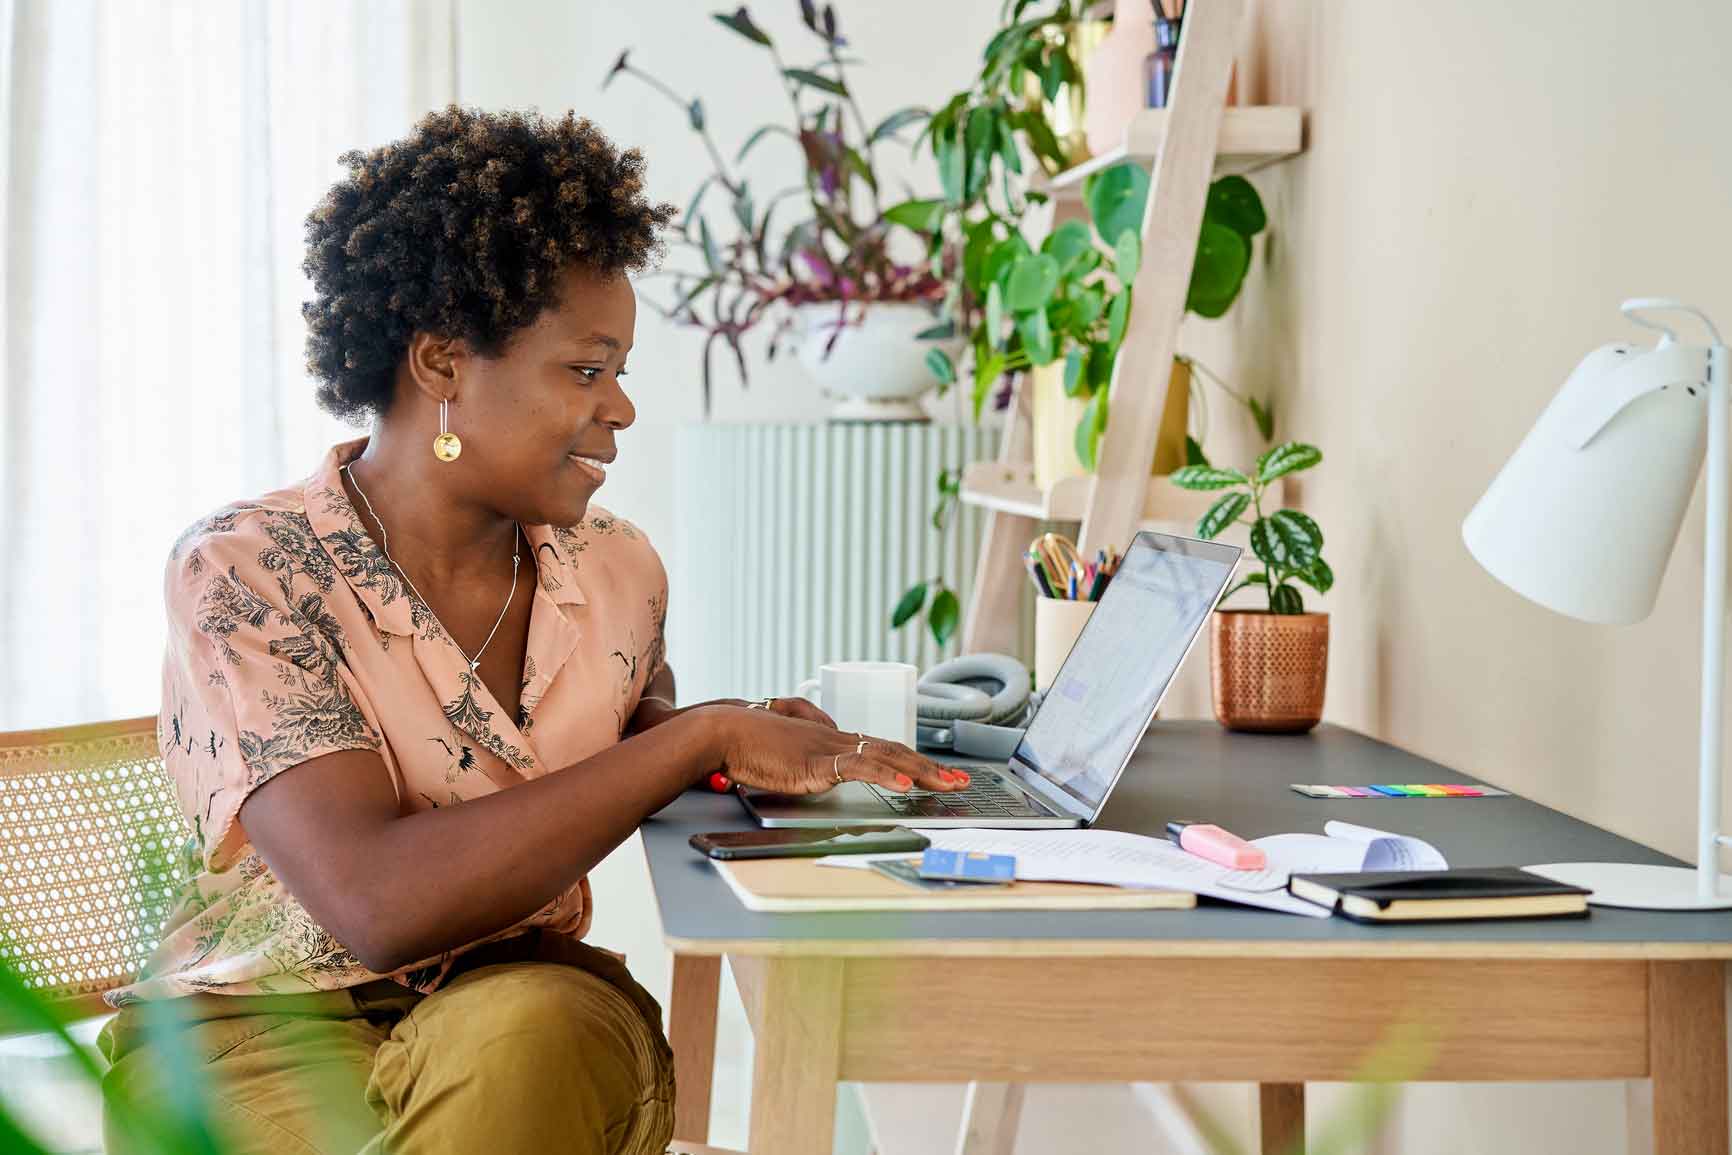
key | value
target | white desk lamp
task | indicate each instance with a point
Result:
(1582, 520)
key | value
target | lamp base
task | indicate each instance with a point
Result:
(1637, 887)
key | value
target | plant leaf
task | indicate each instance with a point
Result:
(1090, 301)
(943, 331)
(1257, 578)
(1127, 257)
(1007, 150)
(1194, 454)
(741, 21)
(816, 80)
(759, 134)
(1032, 280)
(995, 316)
(943, 617)
(1089, 429)
(1285, 599)
(712, 255)
(1074, 362)
(923, 216)
(743, 210)
(981, 139)
(952, 163)
(1317, 575)
(896, 121)
(1263, 416)
(1117, 314)
(1288, 457)
(912, 600)
(1233, 202)
(939, 362)
(1286, 540)
(1206, 477)
(692, 205)
(1003, 258)
(1067, 243)
(1218, 271)
(1115, 198)
(1223, 513)
(1101, 358)
(1036, 337)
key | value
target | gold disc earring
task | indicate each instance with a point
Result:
(447, 445)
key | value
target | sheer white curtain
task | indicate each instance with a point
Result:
(157, 158)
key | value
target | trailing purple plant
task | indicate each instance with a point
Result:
(835, 248)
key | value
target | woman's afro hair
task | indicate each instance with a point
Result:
(462, 229)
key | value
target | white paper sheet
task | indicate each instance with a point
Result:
(1104, 856)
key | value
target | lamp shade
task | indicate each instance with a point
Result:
(1583, 517)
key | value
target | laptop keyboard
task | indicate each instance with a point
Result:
(985, 797)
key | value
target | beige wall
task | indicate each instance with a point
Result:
(1484, 182)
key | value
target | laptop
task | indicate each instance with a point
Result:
(1089, 722)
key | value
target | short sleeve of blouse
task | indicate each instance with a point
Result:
(254, 680)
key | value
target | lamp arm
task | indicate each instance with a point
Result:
(1714, 624)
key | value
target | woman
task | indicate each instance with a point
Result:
(409, 702)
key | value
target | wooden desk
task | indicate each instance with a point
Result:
(1217, 993)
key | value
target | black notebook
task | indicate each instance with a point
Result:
(1435, 895)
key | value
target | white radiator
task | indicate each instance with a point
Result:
(795, 542)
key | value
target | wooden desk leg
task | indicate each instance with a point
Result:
(1687, 1057)
(1283, 1113)
(692, 1034)
(797, 1056)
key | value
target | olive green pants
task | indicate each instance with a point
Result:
(539, 1044)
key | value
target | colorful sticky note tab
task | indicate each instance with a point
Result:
(1389, 791)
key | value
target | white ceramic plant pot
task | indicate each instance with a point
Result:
(877, 369)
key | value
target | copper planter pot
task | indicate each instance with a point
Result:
(1269, 669)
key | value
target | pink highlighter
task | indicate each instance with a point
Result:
(1216, 845)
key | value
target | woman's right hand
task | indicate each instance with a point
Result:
(789, 755)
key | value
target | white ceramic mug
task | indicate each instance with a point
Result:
(872, 698)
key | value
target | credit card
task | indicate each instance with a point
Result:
(967, 866)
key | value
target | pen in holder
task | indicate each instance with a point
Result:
(1067, 588)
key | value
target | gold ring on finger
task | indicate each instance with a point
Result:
(861, 748)
(836, 768)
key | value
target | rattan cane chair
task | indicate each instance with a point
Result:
(90, 857)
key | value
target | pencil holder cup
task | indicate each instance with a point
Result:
(1057, 622)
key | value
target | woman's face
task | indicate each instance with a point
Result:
(531, 417)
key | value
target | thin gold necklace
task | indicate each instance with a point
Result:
(385, 547)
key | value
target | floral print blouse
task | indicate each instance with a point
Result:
(290, 636)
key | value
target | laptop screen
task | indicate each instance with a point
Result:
(1105, 694)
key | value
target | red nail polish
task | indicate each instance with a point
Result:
(904, 781)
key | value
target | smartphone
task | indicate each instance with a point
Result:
(809, 842)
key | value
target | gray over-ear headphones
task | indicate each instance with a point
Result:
(989, 688)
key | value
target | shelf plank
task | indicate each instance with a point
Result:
(1251, 137)
(1010, 488)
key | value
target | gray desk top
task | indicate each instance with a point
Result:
(1198, 770)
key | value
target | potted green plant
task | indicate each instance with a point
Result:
(1268, 666)
(826, 279)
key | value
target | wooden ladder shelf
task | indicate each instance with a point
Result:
(1194, 138)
